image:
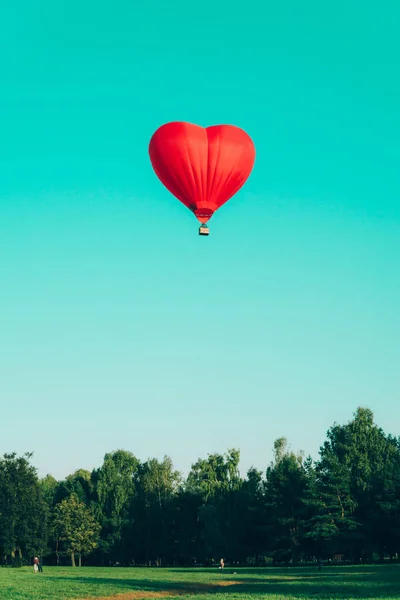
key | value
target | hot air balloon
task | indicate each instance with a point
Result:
(202, 167)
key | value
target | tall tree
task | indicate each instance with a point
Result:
(114, 485)
(76, 527)
(358, 473)
(23, 512)
(157, 484)
(251, 518)
(285, 495)
(216, 482)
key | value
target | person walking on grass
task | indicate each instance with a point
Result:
(222, 564)
(40, 567)
(35, 564)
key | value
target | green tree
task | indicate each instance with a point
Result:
(358, 475)
(334, 526)
(157, 485)
(250, 518)
(216, 482)
(385, 520)
(76, 527)
(48, 486)
(23, 511)
(114, 492)
(216, 473)
(286, 492)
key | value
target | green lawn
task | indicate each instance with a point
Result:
(271, 584)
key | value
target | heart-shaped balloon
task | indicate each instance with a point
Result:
(202, 167)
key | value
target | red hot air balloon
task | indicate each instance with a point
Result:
(202, 167)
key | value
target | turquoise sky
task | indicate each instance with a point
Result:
(119, 325)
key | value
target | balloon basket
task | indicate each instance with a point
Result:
(204, 230)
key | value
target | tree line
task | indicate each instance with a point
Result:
(344, 506)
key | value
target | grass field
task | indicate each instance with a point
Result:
(204, 584)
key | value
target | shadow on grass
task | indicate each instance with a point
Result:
(301, 571)
(343, 583)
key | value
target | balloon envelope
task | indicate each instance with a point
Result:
(202, 167)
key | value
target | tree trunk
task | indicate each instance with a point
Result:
(73, 559)
(80, 560)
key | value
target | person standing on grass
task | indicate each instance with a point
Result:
(35, 564)
(221, 562)
(40, 567)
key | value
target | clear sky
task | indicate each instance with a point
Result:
(120, 327)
